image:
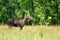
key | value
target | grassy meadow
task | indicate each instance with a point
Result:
(30, 33)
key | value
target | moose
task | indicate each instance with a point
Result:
(19, 21)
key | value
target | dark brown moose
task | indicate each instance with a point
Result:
(19, 21)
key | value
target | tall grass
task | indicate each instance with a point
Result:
(30, 33)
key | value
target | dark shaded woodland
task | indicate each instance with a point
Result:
(44, 12)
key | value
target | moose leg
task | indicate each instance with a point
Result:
(10, 26)
(21, 27)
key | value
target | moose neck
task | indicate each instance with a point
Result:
(25, 18)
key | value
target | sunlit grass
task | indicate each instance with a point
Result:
(30, 33)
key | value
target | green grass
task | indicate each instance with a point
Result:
(30, 33)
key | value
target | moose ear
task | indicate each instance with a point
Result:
(25, 14)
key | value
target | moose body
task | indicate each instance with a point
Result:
(19, 21)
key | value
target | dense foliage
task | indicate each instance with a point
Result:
(43, 11)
